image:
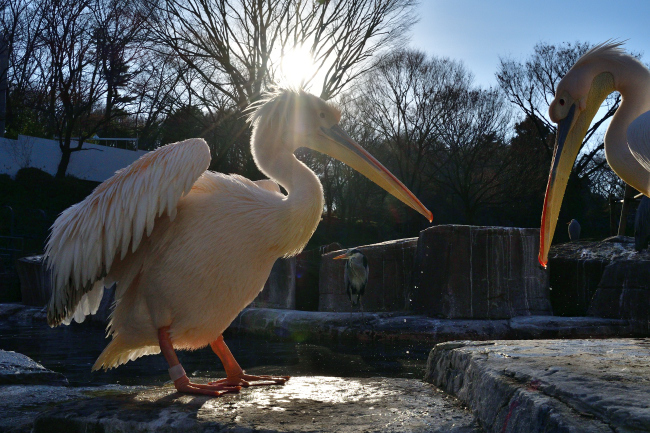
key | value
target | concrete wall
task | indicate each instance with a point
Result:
(96, 163)
(389, 280)
(472, 272)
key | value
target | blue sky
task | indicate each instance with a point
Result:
(477, 32)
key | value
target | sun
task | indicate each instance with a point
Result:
(297, 67)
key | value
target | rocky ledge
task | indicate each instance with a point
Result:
(579, 386)
(396, 329)
(18, 368)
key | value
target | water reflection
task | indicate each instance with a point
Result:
(73, 349)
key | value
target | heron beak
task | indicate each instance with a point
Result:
(342, 256)
(570, 132)
(339, 145)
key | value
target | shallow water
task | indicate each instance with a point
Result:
(73, 349)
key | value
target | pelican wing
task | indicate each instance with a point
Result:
(638, 140)
(86, 237)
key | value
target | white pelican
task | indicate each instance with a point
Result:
(190, 248)
(600, 71)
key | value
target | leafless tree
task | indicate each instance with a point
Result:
(474, 156)
(235, 46)
(403, 101)
(76, 66)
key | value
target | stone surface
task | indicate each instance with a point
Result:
(21, 404)
(416, 331)
(307, 275)
(8, 310)
(35, 281)
(624, 292)
(389, 281)
(304, 404)
(280, 288)
(479, 273)
(307, 272)
(16, 368)
(549, 385)
(602, 279)
(576, 268)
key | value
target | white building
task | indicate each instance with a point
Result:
(94, 162)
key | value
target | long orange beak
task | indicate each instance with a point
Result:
(342, 256)
(570, 133)
(564, 156)
(339, 145)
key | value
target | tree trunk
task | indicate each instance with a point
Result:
(66, 153)
(4, 62)
(63, 163)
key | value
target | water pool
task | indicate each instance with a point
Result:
(73, 349)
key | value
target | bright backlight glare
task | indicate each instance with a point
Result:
(296, 67)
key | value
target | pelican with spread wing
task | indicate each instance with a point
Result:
(190, 248)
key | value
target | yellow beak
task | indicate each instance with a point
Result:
(339, 145)
(570, 133)
(342, 256)
(567, 146)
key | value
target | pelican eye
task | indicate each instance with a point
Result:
(322, 115)
(561, 101)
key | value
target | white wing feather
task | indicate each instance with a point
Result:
(86, 237)
(268, 185)
(638, 139)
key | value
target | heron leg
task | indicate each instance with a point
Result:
(234, 373)
(177, 374)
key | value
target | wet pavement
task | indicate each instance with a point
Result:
(303, 404)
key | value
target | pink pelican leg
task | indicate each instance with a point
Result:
(176, 372)
(235, 376)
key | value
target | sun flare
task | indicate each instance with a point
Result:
(297, 67)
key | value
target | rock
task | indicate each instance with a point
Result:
(21, 404)
(389, 281)
(479, 273)
(548, 385)
(293, 283)
(601, 279)
(575, 270)
(280, 288)
(307, 271)
(16, 368)
(9, 309)
(307, 276)
(35, 281)
(415, 331)
(624, 292)
(304, 404)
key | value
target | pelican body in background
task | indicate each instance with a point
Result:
(180, 240)
(355, 275)
(600, 71)
(574, 230)
(642, 225)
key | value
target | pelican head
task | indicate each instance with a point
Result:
(577, 99)
(304, 120)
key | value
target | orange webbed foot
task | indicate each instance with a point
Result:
(184, 385)
(246, 380)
